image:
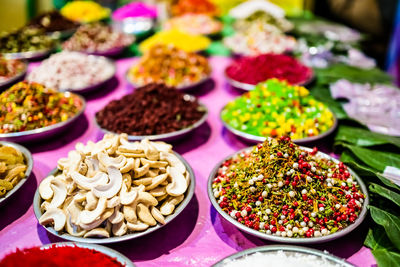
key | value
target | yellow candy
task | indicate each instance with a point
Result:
(184, 41)
(84, 11)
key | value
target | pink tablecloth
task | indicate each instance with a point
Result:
(198, 236)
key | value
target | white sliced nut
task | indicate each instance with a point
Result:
(116, 217)
(158, 191)
(113, 202)
(73, 229)
(86, 217)
(97, 232)
(169, 205)
(137, 227)
(178, 186)
(162, 146)
(55, 216)
(91, 201)
(139, 172)
(157, 215)
(60, 193)
(130, 164)
(154, 163)
(112, 187)
(144, 214)
(119, 229)
(45, 190)
(143, 181)
(107, 161)
(156, 181)
(173, 160)
(88, 183)
(127, 197)
(150, 151)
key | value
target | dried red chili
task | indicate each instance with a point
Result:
(65, 256)
(149, 110)
(253, 70)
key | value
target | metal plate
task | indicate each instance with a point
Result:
(290, 240)
(16, 77)
(288, 250)
(254, 139)
(188, 196)
(167, 136)
(105, 250)
(249, 87)
(185, 87)
(93, 87)
(44, 132)
(29, 163)
(29, 55)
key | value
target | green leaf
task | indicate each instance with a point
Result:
(377, 239)
(386, 193)
(341, 71)
(323, 95)
(390, 222)
(386, 258)
(364, 137)
(375, 158)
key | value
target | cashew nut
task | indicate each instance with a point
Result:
(60, 193)
(112, 188)
(55, 216)
(157, 215)
(97, 232)
(178, 185)
(169, 205)
(144, 214)
(45, 190)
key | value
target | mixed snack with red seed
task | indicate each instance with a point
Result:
(281, 189)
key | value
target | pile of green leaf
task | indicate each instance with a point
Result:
(368, 154)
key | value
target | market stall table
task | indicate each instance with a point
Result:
(198, 236)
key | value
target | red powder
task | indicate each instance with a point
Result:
(58, 257)
(253, 70)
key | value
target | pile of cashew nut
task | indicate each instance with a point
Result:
(113, 187)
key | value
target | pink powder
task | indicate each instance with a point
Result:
(135, 9)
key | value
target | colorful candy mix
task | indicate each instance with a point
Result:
(169, 65)
(194, 24)
(280, 189)
(28, 106)
(194, 6)
(10, 68)
(97, 37)
(179, 39)
(84, 11)
(252, 70)
(275, 108)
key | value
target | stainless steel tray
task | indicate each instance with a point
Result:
(289, 240)
(15, 78)
(29, 162)
(188, 196)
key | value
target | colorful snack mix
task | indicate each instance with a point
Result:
(97, 37)
(253, 70)
(195, 7)
(283, 190)
(150, 110)
(169, 65)
(53, 21)
(194, 24)
(179, 39)
(10, 68)
(12, 168)
(28, 106)
(84, 11)
(60, 256)
(25, 40)
(275, 108)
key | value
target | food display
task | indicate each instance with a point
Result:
(194, 24)
(13, 167)
(53, 21)
(97, 38)
(72, 71)
(280, 189)
(84, 11)
(9, 68)
(275, 108)
(28, 106)
(169, 65)
(177, 38)
(134, 10)
(60, 256)
(27, 39)
(194, 7)
(257, 40)
(264, 21)
(253, 70)
(113, 188)
(150, 110)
